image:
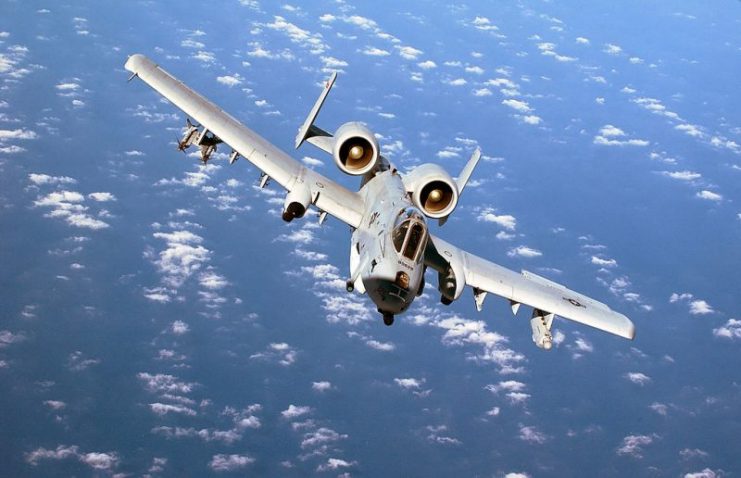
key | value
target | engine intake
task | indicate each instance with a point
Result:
(355, 149)
(432, 190)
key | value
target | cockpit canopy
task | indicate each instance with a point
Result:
(410, 234)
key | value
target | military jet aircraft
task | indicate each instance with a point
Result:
(391, 245)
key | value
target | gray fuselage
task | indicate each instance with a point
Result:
(387, 255)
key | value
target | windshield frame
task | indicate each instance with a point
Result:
(410, 222)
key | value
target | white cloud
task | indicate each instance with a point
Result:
(7, 338)
(67, 87)
(281, 352)
(476, 70)
(41, 179)
(531, 119)
(102, 196)
(507, 221)
(322, 386)
(409, 383)
(165, 384)
(447, 153)
(731, 330)
(582, 345)
(229, 80)
(232, 462)
(96, 460)
(55, 404)
(638, 378)
(659, 408)
(493, 412)
(611, 131)
(299, 236)
(382, 346)
(517, 105)
(179, 327)
(524, 251)
(166, 408)
(334, 464)
(12, 149)
(460, 332)
(321, 437)
(312, 161)
(599, 261)
(632, 445)
(373, 51)
(455, 82)
(582, 40)
(482, 92)
(608, 135)
(427, 65)
(60, 453)
(6, 134)
(100, 461)
(259, 52)
(612, 49)
(700, 307)
(709, 195)
(184, 255)
(507, 386)
(532, 435)
(211, 280)
(408, 52)
(705, 473)
(483, 23)
(690, 130)
(362, 22)
(67, 205)
(294, 411)
(190, 43)
(679, 297)
(333, 63)
(311, 41)
(682, 175)
(205, 56)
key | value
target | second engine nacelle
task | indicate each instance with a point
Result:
(355, 149)
(432, 190)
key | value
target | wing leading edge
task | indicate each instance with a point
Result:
(526, 288)
(326, 195)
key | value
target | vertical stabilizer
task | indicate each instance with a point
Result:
(468, 170)
(308, 129)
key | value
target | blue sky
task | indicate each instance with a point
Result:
(158, 318)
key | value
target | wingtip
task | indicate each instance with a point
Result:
(135, 62)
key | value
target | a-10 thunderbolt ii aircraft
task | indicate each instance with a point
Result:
(391, 245)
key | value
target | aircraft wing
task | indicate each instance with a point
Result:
(328, 196)
(524, 288)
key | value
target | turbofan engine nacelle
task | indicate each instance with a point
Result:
(432, 190)
(296, 203)
(355, 149)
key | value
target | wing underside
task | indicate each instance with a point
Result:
(325, 194)
(528, 289)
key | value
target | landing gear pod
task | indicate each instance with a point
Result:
(296, 204)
